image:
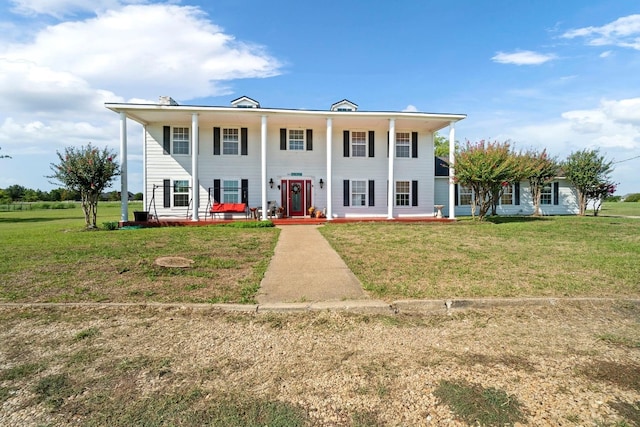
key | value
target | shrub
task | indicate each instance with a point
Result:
(635, 197)
(110, 225)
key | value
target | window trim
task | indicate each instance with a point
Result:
(549, 193)
(304, 139)
(176, 192)
(397, 193)
(408, 145)
(237, 191)
(237, 142)
(512, 193)
(462, 194)
(364, 143)
(173, 140)
(365, 191)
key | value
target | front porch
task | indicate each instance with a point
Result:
(179, 222)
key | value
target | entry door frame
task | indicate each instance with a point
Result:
(288, 197)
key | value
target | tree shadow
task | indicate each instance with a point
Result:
(28, 220)
(514, 219)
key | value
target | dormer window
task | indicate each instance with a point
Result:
(245, 102)
(344, 105)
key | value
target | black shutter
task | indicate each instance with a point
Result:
(216, 191)
(516, 195)
(166, 193)
(372, 143)
(244, 142)
(166, 139)
(345, 191)
(345, 145)
(372, 195)
(283, 139)
(245, 191)
(414, 145)
(414, 193)
(388, 143)
(216, 141)
(455, 197)
(309, 139)
(556, 193)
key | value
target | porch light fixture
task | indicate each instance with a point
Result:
(321, 183)
(271, 182)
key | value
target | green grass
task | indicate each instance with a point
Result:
(49, 257)
(619, 208)
(480, 406)
(501, 257)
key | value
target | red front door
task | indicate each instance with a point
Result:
(296, 197)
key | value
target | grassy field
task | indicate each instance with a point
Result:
(620, 208)
(49, 258)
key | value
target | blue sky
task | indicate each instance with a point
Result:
(561, 75)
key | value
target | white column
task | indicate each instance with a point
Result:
(452, 185)
(124, 191)
(195, 187)
(263, 167)
(329, 180)
(392, 155)
(144, 167)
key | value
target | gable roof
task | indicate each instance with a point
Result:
(245, 101)
(346, 102)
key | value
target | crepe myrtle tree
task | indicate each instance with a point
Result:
(487, 168)
(88, 171)
(587, 170)
(540, 169)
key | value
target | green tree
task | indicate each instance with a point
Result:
(486, 168)
(540, 170)
(587, 170)
(599, 193)
(441, 145)
(88, 171)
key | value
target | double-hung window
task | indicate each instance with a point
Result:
(230, 141)
(358, 144)
(403, 144)
(180, 140)
(181, 193)
(507, 195)
(358, 193)
(546, 195)
(230, 191)
(296, 139)
(403, 193)
(465, 195)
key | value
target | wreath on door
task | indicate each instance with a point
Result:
(295, 188)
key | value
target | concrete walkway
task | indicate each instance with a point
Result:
(305, 268)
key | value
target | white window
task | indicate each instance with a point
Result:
(403, 193)
(546, 195)
(230, 139)
(296, 139)
(358, 144)
(403, 144)
(465, 195)
(358, 193)
(230, 191)
(507, 195)
(181, 193)
(180, 140)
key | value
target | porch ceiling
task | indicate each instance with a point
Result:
(210, 116)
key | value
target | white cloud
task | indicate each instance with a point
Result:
(523, 57)
(606, 54)
(54, 85)
(411, 109)
(623, 32)
(137, 50)
(61, 8)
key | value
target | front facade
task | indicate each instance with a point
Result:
(343, 162)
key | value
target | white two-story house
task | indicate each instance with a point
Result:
(342, 161)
